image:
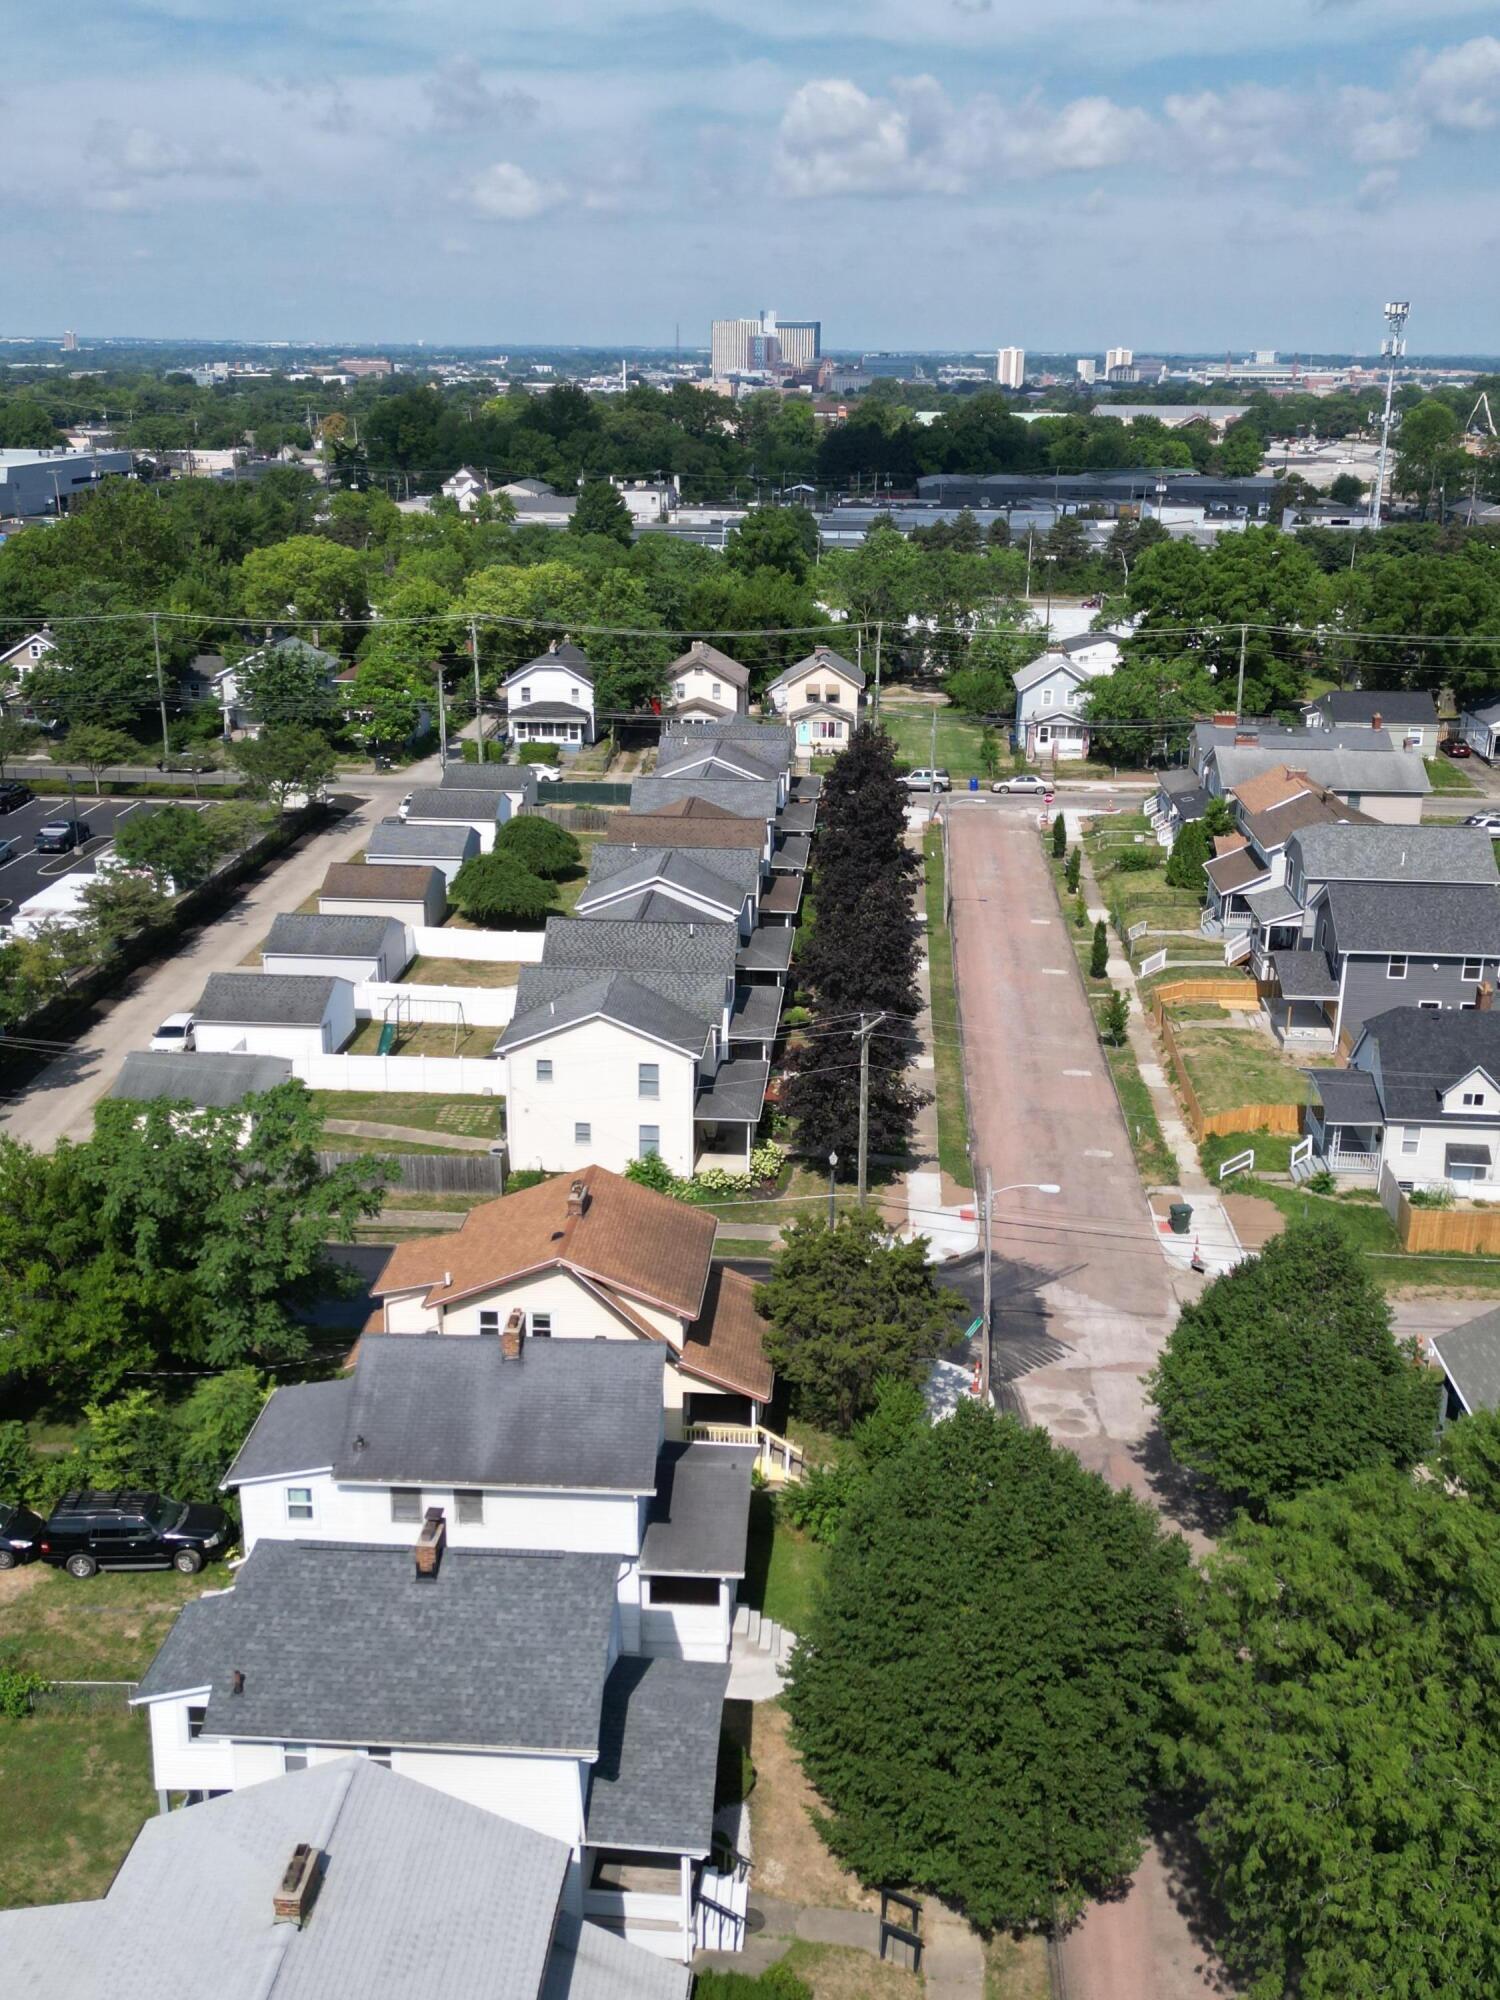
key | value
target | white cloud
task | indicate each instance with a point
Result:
(507, 193)
(1247, 129)
(1374, 131)
(1459, 88)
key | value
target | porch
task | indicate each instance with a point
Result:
(727, 1113)
(1049, 742)
(1346, 1123)
(1303, 1008)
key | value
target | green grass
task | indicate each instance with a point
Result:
(1143, 896)
(1234, 1066)
(1015, 1968)
(424, 1038)
(1154, 1160)
(573, 885)
(782, 1567)
(1370, 1230)
(106, 1629)
(743, 1246)
(910, 730)
(462, 972)
(469, 1117)
(75, 1787)
(1447, 776)
(1273, 1152)
(947, 1053)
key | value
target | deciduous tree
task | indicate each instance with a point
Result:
(285, 764)
(601, 511)
(96, 747)
(500, 891)
(547, 850)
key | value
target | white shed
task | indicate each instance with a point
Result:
(362, 947)
(414, 895)
(273, 1014)
(394, 843)
(485, 811)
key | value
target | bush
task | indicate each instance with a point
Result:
(547, 850)
(540, 753)
(1080, 912)
(777, 1982)
(1074, 869)
(497, 891)
(525, 1177)
(796, 1017)
(652, 1172)
(1059, 838)
(818, 1502)
(1138, 860)
(767, 1161)
(1431, 1197)
(1099, 954)
(717, 1181)
(18, 1692)
(1114, 1023)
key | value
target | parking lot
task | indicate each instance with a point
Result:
(29, 871)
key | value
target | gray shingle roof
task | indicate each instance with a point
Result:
(299, 1429)
(1273, 906)
(768, 949)
(424, 1897)
(822, 656)
(568, 1415)
(190, 1079)
(1449, 920)
(344, 1643)
(296, 933)
(1398, 773)
(740, 867)
(1045, 665)
(466, 802)
(549, 711)
(756, 1013)
(800, 817)
(1394, 853)
(792, 853)
(562, 653)
(1398, 706)
(700, 993)
(1425, 1051)
(747, 800)
(737, 1093)
(1305, 975)
(492, 777)
(622, 870)
(269, 999)
(1470, 1358)
(591, 1963)
(697, 1523)
(1348, 1096)
(775, 741)
(653, 1785)
(701, 654)
(607, 946)
(394, 840)
(612, 996)
(1487, 711)
(715, 759)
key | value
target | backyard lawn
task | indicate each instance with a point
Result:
(467, 1117)
(570, 889)
(782, 1567)
(462, 972)
(909, 727)
(1232, 1066)
(425, 1038)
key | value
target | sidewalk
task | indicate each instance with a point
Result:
(952, 1956)
(935, 1207)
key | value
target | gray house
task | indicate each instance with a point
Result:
(1387, 784)
(1408, 716)
(745, 798)
(1479, 726)
(345, 947)
(518, 781)
(772, 742)
(394, 842)
(665, 886)
(1469, 1356)
(1388, 944)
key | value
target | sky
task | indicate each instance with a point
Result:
(1055, 174)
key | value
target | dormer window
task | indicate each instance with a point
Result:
(1473, 969)
(1473, 1100)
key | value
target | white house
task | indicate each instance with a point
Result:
(231, 683)
(521, 1442)
(705, 685)
(1479, 726)
(467, 488)
(592, 1256)
(395, 843)
(1052, 694)
(820, 697)
(412, 895)
(551, 699)
(485, 811)
(357, 947)
(666, 885)
(1408, 716)
(23, 658)
(647, 499)
(342, 1881)
(273, 1014)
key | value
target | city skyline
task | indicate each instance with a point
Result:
(1135, 168)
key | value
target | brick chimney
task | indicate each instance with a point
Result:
(578, 1198)
(1484, 996)
(1377, 720)
(513, 1336)
(296, 1891)
(1246, 738)
(427, 1552)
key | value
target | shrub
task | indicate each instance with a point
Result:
(496, 890)
(17, 1467)
(719, 1181)
(526, 1177)
(1431, 1197)
(818, 1502)
(1138, 860)
(1114, 1023)
(1099, 954)
(767, 1161)
(1059, 838)
(796, 1017)
(652, 1172)
(1074, 868)
(1080, 912)
(540, 753)
(1322, 1182)
(18, 1692)
(547, 850)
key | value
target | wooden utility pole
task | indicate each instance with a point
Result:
(1239, 693)
(442, 715)
(478, 705)
(988, 1213)
(865, 1030)
(877, 672)
(161, 696)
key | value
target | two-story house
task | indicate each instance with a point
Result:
(1428, 945)
(1408, 716)
(668, 885)
(773, 742)
(693, 822)
(743, 797)
(1479, 726)
(593, 1256)
(342, 1881)
(820, 696)
(1384, 783)
(234, 685)
(720, 759)
(551, 698)
(1421, 1098)
(1247, 869)
(523, 1441)
(705, 685)
(20, 660)
(1052, 694)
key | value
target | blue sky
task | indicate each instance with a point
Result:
(1184, 173)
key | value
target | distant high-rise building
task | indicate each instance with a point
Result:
(1265, 357)
(753, 346)
(1118, 357)
(1088, 367)
(70, 342)
(801, 343)
(1010, 367)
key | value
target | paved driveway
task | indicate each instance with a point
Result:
(1083, 1294)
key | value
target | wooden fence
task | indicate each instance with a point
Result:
(1239, 995)
(1463, 1231)
(1284, 1119)
(577, 819)
(436, 1173)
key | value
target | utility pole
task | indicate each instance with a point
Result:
(865, 1030)
(932, 754)
(877, 672)
(984, 1335)
(161, 694)
(478, 705)
(1239, 693)
(442, 717)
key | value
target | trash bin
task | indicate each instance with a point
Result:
(1179, 1216)
(973, 784)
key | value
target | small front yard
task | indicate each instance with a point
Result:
(783, 1567)
(1143, 895)
(1448, 776)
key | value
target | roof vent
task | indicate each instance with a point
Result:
(427, 1551)
(298, 1888)
(237, 1681)
(578, 1198)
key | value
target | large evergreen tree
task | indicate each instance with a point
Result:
(977, 1692)
(1285, 1373)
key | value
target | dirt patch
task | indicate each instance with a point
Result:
(15, 1582)
(1255, 1221)
(790, 1857)
(834, 1972)
(1016, 1969)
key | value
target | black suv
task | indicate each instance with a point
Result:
(86, 1532)
(13, 795)
(20, 1531)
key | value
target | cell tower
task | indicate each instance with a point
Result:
(1394, 346)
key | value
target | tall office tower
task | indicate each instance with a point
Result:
(1010, 367)
(1118, 357)
(801, 343)
(1088, 368)
(70, 342)
(744, 346)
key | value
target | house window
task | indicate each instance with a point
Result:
(582, 1134)
(1431, 1006)
(1473, 1099)
(544, 1069)
(648, 1076)
(649, 1141)
(541, 1326)
(1411, 1138)
(381, 1756)
(526, 694)
(294, 1756)
(572, 694)
(196, 1712)
(469, 1508)
(682, 690)
(683, 1590)
(1395, 966)
(406, 1504)
(1046, 697)
(489, 1319)
(718, 690)
(1473, 968)
(299, 1503)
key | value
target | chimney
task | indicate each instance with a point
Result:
(298, 1888)
(1245, 737)
(427, 1552)
(1377, 720)
(237, 1681)
(1484, 996)
(578, 1198)
(512, 1336)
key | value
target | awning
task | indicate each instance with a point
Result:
(1348, 1096)
(735, 1096)
(1466, 1156)
(1305, 975)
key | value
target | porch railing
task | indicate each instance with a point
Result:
(778, 1458)
(1348, 1160)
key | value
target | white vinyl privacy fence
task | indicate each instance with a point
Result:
(474, 1006)
(494, 947)
(444, 1076)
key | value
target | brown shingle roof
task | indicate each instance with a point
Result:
(693, 808)
(726, 1343)
(628, 1238)
(1317, 808)
(1233, 871)
(353, 880)
(670, 828)
(1271, 788)
(1228, 843)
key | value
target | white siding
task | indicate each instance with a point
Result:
(180, 1765)
(506, 947)
(1427, 1165)
(355, 969)
(699, 684)
(595, 1085)
(547, 683)
(482, 1006)
(461, 1076)
(410, 914)
(484, 824)
(215, 1039)
(570, 1523)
